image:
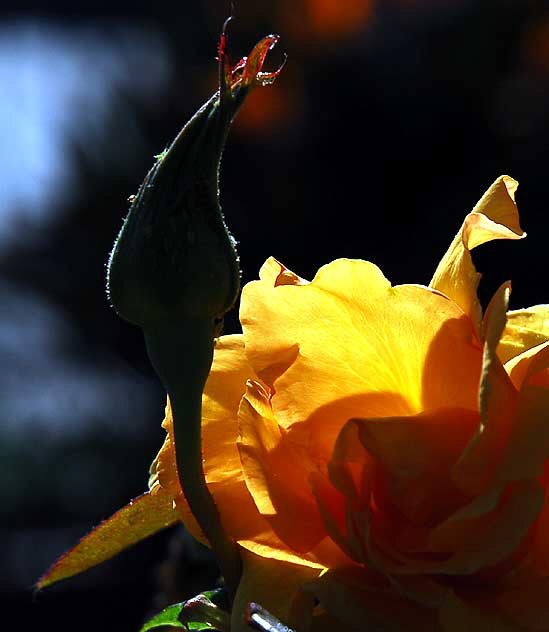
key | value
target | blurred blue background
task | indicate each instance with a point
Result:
(387, 124)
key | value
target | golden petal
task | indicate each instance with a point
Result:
(239, 514)
(494, 217)
(478, 468)
(277, 473)
(457, 615)
(360, 599)
(526, 328)
(348, 344)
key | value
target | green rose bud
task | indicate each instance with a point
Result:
(174, 257)
(174, 272)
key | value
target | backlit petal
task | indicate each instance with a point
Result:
(348, 344)
(528, 447)
(363, 600)
(494, 217)
(239, 514)
(481, 539)
(457, 615)
(277, 473)
(275, 274)
(526, 328)
(523, 367)
(224, 388)
(535, 563)
(414, 456)
(479, 468)
(474, 540)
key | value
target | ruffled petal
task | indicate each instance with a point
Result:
(343, 497)
(526, 328)
(275, 273)
(483, 540)
(457, 614)
(490, 530)
(224, 389)
(398, 494)
(535, 563)
(531, 362)
(239, 514)
(494, 217)
(513, 443)
(334, 509)
(413, 457)
(360, 599)
(479, 468)
(528, 448)
(241, 519)
(527, 605)
(348, 344)
(277, 473)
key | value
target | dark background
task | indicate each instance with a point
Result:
(387, 124)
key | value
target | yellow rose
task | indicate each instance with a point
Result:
(383, 449)
(379, 453)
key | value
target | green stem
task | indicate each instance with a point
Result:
(182, 357)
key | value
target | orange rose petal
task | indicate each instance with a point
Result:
(483, 540)
(526, 328)
(351, 467)
(277, 587)
(344, 497)
(494, 217)
(275, 274)
(459, 615)
(523, 366)
(328, 554)
(414, 456)
(360, 599)
(535, 563)
(277, 473)
(241, 519)
(528, 448)
(479, 467)
(141, 518)
(333, 509)
(527, 605)
(349, 337)
(520, 436)
(224, 389)
(478, 537)
(251, 530)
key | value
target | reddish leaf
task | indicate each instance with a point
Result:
(142, 517)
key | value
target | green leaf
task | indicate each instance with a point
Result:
(196, 614)
(168, 616)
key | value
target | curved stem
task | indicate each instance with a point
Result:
(182, 357)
